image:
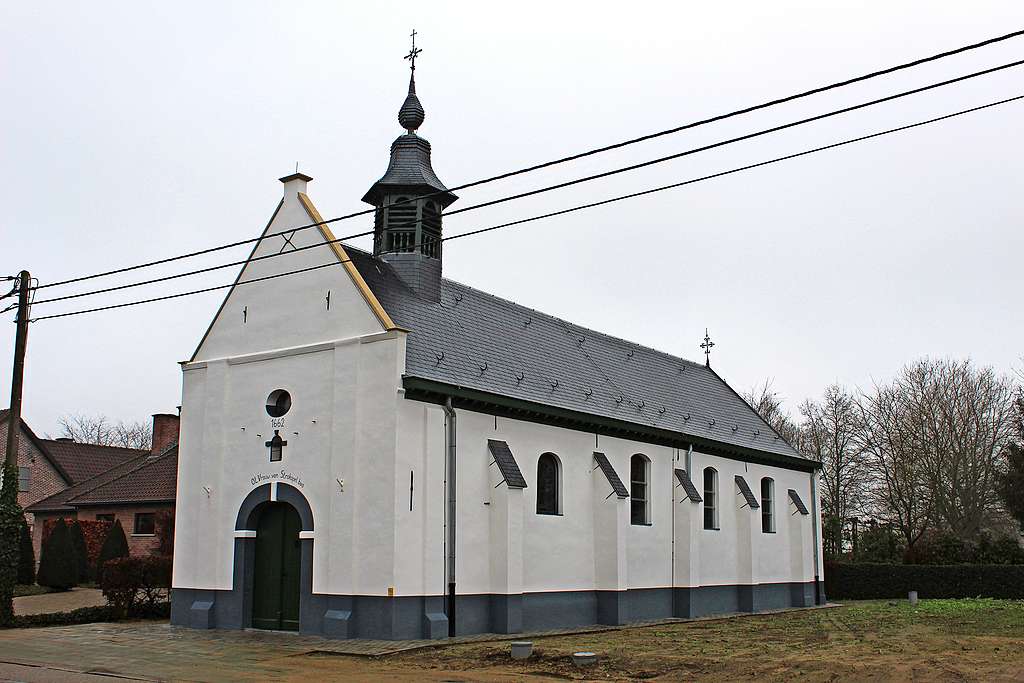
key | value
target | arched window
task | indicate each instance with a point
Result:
(768, 505)
(549, 482)
(710, 498)
(639, 473)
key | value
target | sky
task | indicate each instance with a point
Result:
(134, 131)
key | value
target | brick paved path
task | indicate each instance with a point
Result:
(59, 602)
(158, 651)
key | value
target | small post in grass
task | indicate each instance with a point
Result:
(522, 649)
(584, 658)
(912, 596)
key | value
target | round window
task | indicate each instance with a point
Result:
(278, 403)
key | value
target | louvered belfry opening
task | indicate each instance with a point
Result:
(406, 225)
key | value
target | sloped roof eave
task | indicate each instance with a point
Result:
(432, 391)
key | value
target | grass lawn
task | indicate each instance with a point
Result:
(870, 640)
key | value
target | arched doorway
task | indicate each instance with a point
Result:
(277, 568)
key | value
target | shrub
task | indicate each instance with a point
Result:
(26, 557)
(941, 547)
(131, 583)
(82, 566)
(114, 546)
(94, 530)
(865, 581)
(879, 543)
(89, 615)
(57, 567)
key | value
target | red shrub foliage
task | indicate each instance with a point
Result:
(130, 582)
(94, 531)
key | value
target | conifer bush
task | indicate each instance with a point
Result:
(26, 557)
(58, 567)
(82, 565)
(11, 518)
(114, 546)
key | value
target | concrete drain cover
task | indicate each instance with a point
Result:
(584, 658)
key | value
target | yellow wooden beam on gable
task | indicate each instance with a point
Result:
(350, 268)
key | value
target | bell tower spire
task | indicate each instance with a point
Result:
(410, 199)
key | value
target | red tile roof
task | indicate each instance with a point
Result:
(145, 479)
(83, 461)
(155, 480)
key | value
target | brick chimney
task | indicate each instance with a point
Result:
(165, 431)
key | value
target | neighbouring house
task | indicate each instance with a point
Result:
(64, 478)
(372, 450)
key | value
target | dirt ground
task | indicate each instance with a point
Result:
(939, 640)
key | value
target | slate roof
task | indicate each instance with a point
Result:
(748, 495)
(795, 497)
(507, 464)
(146, 479)
(475, 340)
(409, 168)
(691, 491)
(611, 475)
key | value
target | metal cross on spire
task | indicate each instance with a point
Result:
(414, 52)
(707, 346)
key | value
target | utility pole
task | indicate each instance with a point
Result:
(11, 516)
(20, 342)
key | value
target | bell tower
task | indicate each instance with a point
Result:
(410, 199)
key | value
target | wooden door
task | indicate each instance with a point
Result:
(276, 571)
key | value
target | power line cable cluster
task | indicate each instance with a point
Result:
(581, 155)
(562, 185)
(556, 186)
(580, 207)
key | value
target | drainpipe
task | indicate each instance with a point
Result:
(815, 522)
(450, 538)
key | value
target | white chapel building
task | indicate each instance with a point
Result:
(369, 450)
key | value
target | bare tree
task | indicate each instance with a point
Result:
(768, 405)
(899, 495)
(101, 431)
(832, 434)
(962, 419)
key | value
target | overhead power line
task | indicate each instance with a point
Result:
(580, 207)
(549, 188)
(573, 157)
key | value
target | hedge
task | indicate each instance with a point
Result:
(844, 581)
(95, 532)
(89, 615)
(115, 545)
(82, 565)
(131, 583)
(58, 567)
(26, 557)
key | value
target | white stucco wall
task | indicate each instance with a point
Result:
(350, 421)
(560, 552)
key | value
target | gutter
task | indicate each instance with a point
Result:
(450, 438)
(815, 523)
(431, 391)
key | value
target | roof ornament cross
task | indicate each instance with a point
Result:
(414, 52)
(707, 346)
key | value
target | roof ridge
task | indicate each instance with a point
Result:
(96, 445)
